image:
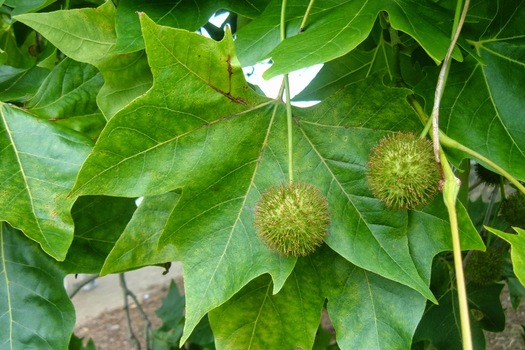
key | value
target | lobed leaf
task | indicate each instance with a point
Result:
(517, 243)
(88, 35)
(255, 319)
(40, 161)
(484, 101)
(137, 246)
(184, 14)
(31, 291)
(335, 28)
(99, 222)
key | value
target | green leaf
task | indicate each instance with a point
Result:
(335, 28)
(137, 247)
(228, 145)
(485, 101)
(69, 91)
(19, 84)
(517, 242)
(444, 318)
(99, 222)
(40, 161)
(221, 103)
(88, 35)
(68, 97)
(26, 6)
(31, 291)
(367, 310)
(186, 14)
(255, 319)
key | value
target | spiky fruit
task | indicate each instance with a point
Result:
(487, 176)
(402, 171)
(513, 210)
(292, 219)
(484, 267)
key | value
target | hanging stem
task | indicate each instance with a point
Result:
(303, 23)
(442, 78)
(450, 182)
(289, 117)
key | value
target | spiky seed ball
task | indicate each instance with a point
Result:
(485, 267)
(487, 176)
(402, 171)
(513, 210)
(292, 219)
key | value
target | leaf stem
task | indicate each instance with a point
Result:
(450, 192)
(289, 115)
(449, 142)
(442, 78)
(307, 13)
(451, 184)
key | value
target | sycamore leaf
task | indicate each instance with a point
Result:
(40, 161)
(334, 28)
(221, 145)
(26, 6)
(88, 35)
(517, 242)
(137, 246)
(484, 101)
(180, 142)
(67, 97)
(19, 84)
(255, 319)
(31, 291)
(440, 325)
(185, 14)
(99, 222)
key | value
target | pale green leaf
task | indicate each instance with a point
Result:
(254, 318)
(88, 35)
(334, 28)
(517, 243)
(35, 310)
(99, 222)
(40, 161)
(138, 246)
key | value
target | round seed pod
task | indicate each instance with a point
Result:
(513, 210)
(485, 267)
(402, 171)
(292, 219)
(487, 176)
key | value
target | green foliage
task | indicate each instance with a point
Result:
(101, 105)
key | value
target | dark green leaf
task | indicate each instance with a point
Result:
(484, 101)
(19, 84)
(440, 325)
(35, 311)
(40, 161)
(99, 222)
(185, 14)
(26, 6)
